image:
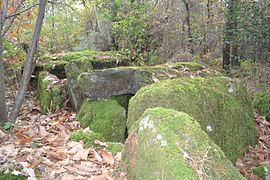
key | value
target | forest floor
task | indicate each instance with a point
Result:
(39, 145)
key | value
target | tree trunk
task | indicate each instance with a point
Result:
(190, 41)
(3, 107)
(230, 50)
(235, 59)
(226, 56)
(28, 64)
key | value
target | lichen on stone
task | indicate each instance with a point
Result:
(187, 154)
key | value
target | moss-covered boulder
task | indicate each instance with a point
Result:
(55, 67)
(106, 83)
(221, 106)
(55, 63)
(87, 61)
(167, 144)
(262, 171)
(262, 103)
(49, 92)
(104, 117)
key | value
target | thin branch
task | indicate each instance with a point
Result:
(12, 20)
(4, 13)
(16, 14)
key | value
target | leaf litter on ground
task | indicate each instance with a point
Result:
(38, 147)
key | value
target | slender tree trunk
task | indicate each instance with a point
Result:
(235, 58)
(98, 26)
(189, 26)
(226, 56)
(3, 107)
(207, 28)
(53, 40)
(230, 51)
(28, 64)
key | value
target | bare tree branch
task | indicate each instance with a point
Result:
(12, 20)
(16, 14)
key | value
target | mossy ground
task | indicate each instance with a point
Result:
(262, 103)
(105, 117)
(11, 177)
(220, 105)
(115, 147)
(87, 137)
(166, 144)
(49, 99)
(193, 66)
(246, 69)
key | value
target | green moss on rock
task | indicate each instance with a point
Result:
(115, 147)
(49, 92)
(56, 67)
(221, 106)
(87, 137)
(261, 171)
(167, 144)
(193, 66)
(123, 100)
(105, 117)
(262, 103)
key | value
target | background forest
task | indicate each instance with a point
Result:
(149, 31)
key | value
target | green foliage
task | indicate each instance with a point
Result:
(62, 26)
(260, 171)
(246, 69)
(8, 125)
(248, 27)
(130, 26)
(10, 176)
(262, 103)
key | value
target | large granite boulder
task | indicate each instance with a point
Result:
(87, 61)
(221, 106)
(103, 84)
(167, 144)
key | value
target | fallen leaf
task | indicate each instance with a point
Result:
(107, 156)
(96, 156)
(68, 177)
(23, 139)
